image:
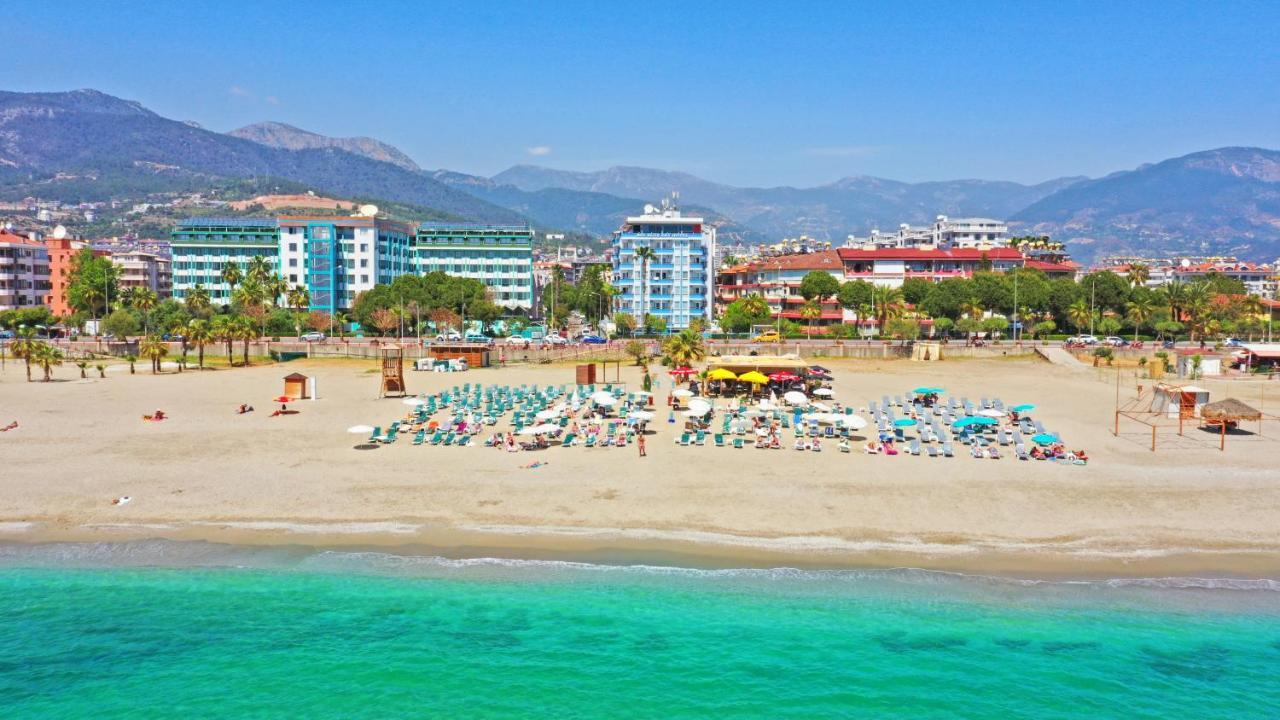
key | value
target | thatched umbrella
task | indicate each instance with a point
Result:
(1229, 412)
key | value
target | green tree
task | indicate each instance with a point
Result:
(915, 290)
(121, 323)
(943, 326)
(232, 275)
(154, 350)
(810, 311)
(91, 282)
(1138, 275)
(144, 301)
(1043, 328)
(947, 298)
(244, 331)
(887, 303)
(741, 314)
(23, 347)
(644, 255)
(198, 302)
(47, 357)
(818, 285)
(684, 348)
(637, 350)
(1139, 312)
(625, 323)
(1105, 290)
(200, 334)
(854, 294)
(1109, 325)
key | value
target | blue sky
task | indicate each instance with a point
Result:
(745, 93)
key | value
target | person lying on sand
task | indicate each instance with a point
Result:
(871, 448)
(11, 426)
(157, 416)
(244, 409)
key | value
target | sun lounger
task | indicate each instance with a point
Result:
(700, 438)
(683, 439)
(377, 434)
(1001, 437)
(591, 441)
(568, 440)
(947, 450)
(1021, 451)
(737, 443)
(719, 439)
(914, 447)
(933, 451)
(419, 436)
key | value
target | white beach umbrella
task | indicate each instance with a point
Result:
(692, 414)
(768, 404)
(853, 422)
(682, 392)
(640, 415)
(360, 429)
(753, 413)
(824, 392)
(602, 397)
(641, 393)
(412, 401)
(991, 413)
(700, 406)
(547, 428)
(547, 414)
(795, 397)
(529, 430)
(820, 407)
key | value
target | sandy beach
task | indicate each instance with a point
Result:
(208, 473)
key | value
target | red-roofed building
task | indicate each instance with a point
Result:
(24, 272)
(1258, 278)
(777, 279)
(893, 266)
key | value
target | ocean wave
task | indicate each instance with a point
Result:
(202, 554)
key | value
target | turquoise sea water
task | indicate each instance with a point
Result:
(99, 632)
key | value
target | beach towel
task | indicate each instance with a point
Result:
(534, 465)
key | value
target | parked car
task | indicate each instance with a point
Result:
(518, 341)
(1234, 342)
(554, 340)
(594, 340)
(449, 335)
(767, 336)
(313, 336)
(1082, 340)
(477, 338)
(1114, 341)
(173, 337)
(6, 334)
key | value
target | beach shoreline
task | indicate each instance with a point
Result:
(1047, 560)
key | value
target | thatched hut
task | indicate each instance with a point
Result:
(1226, 414)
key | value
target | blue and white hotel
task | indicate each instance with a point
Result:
(680, 280)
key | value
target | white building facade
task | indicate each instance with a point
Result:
(24, 272)
(676, 284)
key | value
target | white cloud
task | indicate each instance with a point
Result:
(539, 150)
(272, 100)
(838, 151)
(237, 91)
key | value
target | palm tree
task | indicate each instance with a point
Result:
(249, 294)
(144, 301)
(277, 288)
(888, 305)
(23, 347)
(244, 330)
(232, 275)
(1078, 314)
(972, 308)
(259, 269)
(685, 348)
(1197, 304)
(154, 350)
(47, 357)
(198, 300)
(811, 310)
(1174, 295)
(131, 359)
(755, 305)
(1139, 312)
(199, 333)
(643, 255)
(223, 331)
(298, 297)
(1138, 274)
(83, 365)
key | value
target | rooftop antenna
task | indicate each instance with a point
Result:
(59, 232)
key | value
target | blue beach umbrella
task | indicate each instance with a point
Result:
(973, 420)
(903, 422)
(1023, 408)
(1045, 439)
(928, 390)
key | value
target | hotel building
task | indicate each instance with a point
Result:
(150, 271)
(500, 256)
(338, 257)
(680, 282)
(24, 272)
(777, 279)
(201, 247)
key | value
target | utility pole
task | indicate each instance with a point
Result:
(1093, 294)
(1015, 308)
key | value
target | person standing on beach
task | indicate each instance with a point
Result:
(640, 442)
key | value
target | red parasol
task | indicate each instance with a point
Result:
(284, 399)
(783, 377)
(682, 371)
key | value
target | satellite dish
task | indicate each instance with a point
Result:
(368, 210)
(1186, 262)
(649, 209)
(59, 232)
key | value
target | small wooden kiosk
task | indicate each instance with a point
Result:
(476, 354)
(295, 386)
(393, 384)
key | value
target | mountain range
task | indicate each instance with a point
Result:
(87, 145)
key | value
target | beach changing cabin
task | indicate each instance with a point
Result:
(296, 386)
(1179, 400)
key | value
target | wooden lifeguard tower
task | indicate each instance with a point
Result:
(295, 386)
(392, 372)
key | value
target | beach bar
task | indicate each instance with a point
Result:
(766, 364)
(476, 354)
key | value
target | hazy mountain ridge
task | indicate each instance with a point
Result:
(287, 137)
(110, 142)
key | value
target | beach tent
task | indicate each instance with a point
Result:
(295, 386)
(1179, 400)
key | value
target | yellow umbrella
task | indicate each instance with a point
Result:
(721, 374)
(753, 377)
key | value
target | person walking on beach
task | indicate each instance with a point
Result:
(640, 443)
